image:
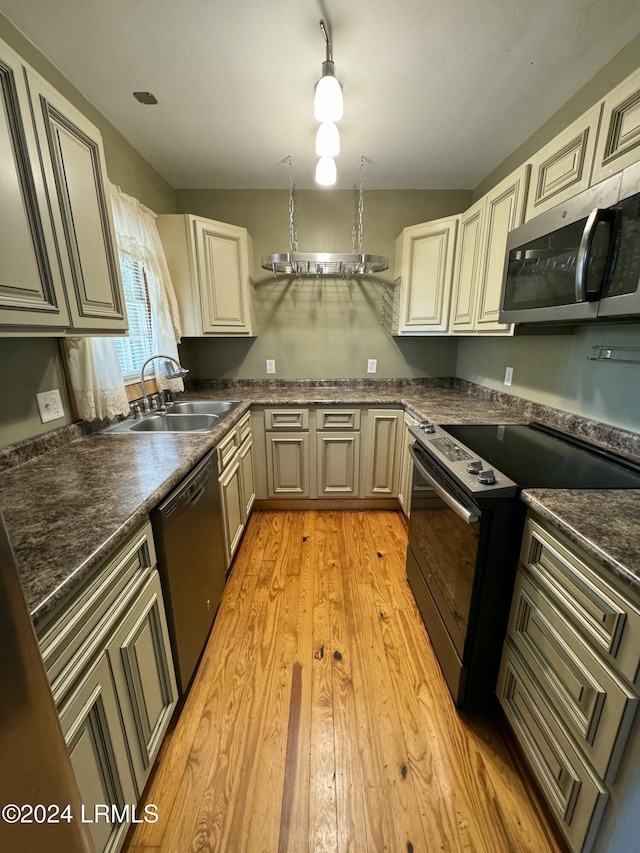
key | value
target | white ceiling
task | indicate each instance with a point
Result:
(437, 92)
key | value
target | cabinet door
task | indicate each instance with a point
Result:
(31, 288)
(142, 665)
(426, 255)
(90, 721)
(247, 480)
(75, 174)
(406, 466)
(619, 137)
(505, 207)
(222, 257)
(232, 507)
(468, 269)
(288, 469)
(338, 464)
(383, 445)
(562, 168)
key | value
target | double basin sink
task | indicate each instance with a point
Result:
(187, 416)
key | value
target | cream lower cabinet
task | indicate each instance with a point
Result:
(211, 265)
(405, 481)
(419, 303)
(108, 658)
(480, 257)
(383, 443)
(237, 483)
(568, 686)
(338, 453)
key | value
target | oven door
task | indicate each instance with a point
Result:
(444, 535)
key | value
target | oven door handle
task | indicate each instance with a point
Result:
(468, 515)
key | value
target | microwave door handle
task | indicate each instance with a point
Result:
(597, 215)
(465, 514)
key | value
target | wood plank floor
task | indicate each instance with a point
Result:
(319, 719)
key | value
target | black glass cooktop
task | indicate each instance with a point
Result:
(534, 456)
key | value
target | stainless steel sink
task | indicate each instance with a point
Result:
(202, 407)
(184, 416)
(175, 423)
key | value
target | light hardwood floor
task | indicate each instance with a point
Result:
(319, 720)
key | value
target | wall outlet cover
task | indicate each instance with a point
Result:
(271, 365)
(50, 406)
(372, 365)
(508, 376)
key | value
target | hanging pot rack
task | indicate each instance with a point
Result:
(325, 264)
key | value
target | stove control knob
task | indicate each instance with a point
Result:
(427, 427)
(475, 466)
(487, 477)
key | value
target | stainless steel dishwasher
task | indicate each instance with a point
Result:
(188, 535)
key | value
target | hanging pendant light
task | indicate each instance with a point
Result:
(326, 171)
(328, 104)
(327, 140)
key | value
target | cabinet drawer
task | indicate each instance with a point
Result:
(61, 638)
(286, 419)
(243, 428)
(575, 795)
(226, 450)
(338, 419)
(608, 620)
(595, 705)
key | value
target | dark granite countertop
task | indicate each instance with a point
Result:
(67, 509)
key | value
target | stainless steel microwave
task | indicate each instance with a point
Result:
(579, 261)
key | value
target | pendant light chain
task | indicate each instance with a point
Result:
(358, 212)
(293, 234)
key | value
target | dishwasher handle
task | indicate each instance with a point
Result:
(188, 491)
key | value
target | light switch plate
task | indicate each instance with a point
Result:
(508, 376)
(372, 365)
(50, 406)
(271, 365)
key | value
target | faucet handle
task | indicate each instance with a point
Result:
(134, 409)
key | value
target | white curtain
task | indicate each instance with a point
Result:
(139, 241)
(94, 368)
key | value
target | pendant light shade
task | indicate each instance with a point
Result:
(328, 104)
(326, 171)
(327, 140)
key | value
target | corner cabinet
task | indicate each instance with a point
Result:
(211, 266)
(480, 257)
(419, 302)
(59, 272)
(108, 659)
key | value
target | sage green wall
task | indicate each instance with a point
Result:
(36, 363)
(328, 329)
(614, 72)
(555, 370)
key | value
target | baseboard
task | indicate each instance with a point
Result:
(326, 503)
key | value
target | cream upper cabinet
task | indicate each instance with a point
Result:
(468, 268)
(562, 168)
(424, 266)
(211, 265)
(75, 176)
(619, 138)
(31, 288)
(480, 257)
(505, 207)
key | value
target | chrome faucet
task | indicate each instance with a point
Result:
(177, 374)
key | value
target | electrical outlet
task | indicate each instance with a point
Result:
(508, 376)
(271, 365)
(50, 406)
(372, 365)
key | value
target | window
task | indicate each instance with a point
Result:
(134, 350)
